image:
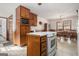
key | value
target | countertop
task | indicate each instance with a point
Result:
(41, 33)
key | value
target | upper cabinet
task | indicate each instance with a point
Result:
(22, 12)
(25, 12)
(33, 19)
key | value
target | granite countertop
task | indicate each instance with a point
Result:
(40, 33)
(37, 33)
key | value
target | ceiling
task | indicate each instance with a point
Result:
(46, 10)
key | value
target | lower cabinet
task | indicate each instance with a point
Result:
(37, 46)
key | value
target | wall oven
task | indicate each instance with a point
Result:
(24, 21)
(51, 44)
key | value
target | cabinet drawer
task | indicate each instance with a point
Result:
(43, 39)
(44, 54)
(43, 43)
(43, 46)
(43, 49)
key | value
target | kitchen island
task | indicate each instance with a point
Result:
(38, 43)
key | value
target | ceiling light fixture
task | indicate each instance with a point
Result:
(77, 11)
(39, 4)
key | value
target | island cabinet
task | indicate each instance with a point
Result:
(33, 19)
(37, 45)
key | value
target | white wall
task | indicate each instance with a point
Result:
(78, 33)
(39, 27)
(3, 27)
(52, 24)
(73, 18)
(14, 20)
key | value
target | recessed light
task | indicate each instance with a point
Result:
(39, 3)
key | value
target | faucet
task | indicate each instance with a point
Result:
(34, 30)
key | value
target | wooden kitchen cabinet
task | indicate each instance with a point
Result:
(33, 19)
(25, 12)
(22, 12)
(37, 46)
(22, 25)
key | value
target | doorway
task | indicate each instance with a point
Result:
(45, 27)
(3, 36)
(10, 28)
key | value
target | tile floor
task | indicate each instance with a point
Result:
(13, 50)
(63, 49)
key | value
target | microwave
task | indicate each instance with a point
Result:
(24, 21)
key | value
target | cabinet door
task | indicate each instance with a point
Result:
(23, 40)
(23, 30)
(27, 13)
(33, 19)
(33, 48)
(24, 12)
(27, 29)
